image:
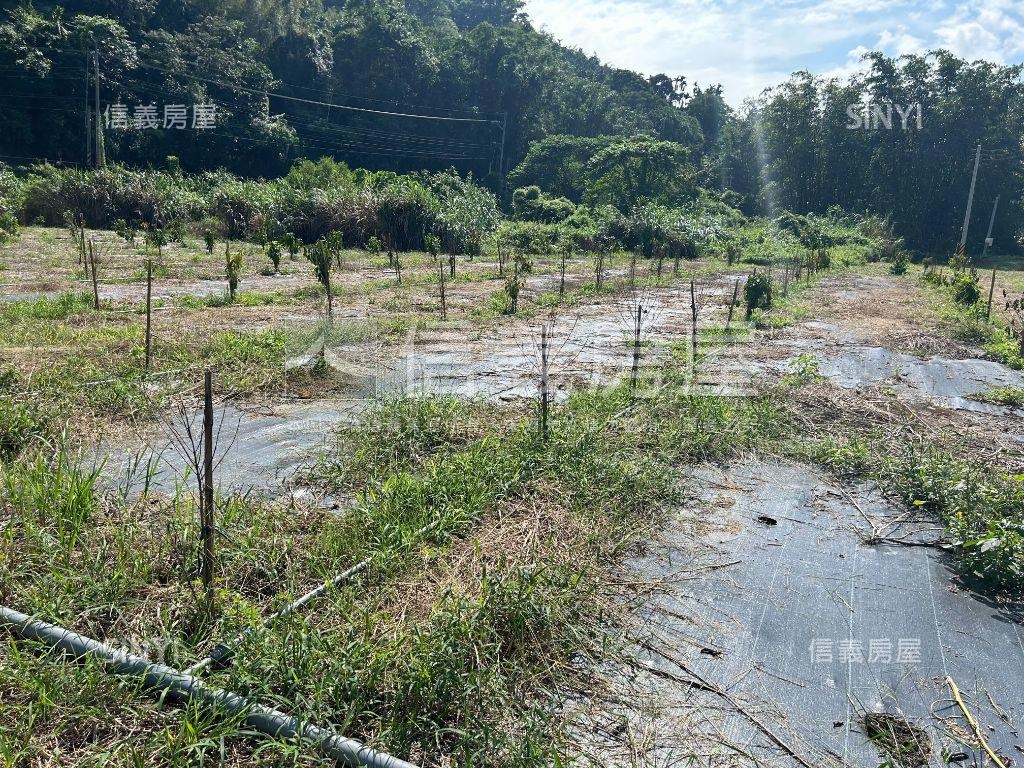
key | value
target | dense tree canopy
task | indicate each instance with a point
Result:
(428, 85)
(423, 84)
(918, 175)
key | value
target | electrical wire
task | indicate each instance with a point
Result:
(459, 150)
(298, 121)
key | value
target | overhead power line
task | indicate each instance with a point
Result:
(315, 102)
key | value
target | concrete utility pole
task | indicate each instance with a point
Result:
(991, 222)
(101, 160)
(970, 202)
(88, 113)
(501, 157)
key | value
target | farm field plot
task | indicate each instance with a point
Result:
(511, 384)
(626, 557)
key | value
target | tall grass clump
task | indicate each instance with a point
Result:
(312, 201)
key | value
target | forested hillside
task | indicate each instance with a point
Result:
(470, 85)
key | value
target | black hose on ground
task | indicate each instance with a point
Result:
(180, 687)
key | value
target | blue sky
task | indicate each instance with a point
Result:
(748, 45)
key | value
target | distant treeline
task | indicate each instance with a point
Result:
(325, 199)
(428, 85)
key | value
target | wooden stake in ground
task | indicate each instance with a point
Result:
(82, 257)
(561, 275)
(732, 304)
(149, 312)
(95, 285)
(444, 301)
(206, 505)
(991, 292)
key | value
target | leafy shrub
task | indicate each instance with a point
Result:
(432, 245)
(530, 204)
(966, 289)
(233, 268)
(466, 213)
(529, 236)
(758, 293)
(10, 203)
(100, 197)
(900, 263)
(274, 252)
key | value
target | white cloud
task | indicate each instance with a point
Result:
(748, 45)
(900, 43)
(993, 30)
(854, 63)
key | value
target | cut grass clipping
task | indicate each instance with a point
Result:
(905, 744)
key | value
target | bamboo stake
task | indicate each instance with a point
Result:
(693, 328)
(544, 382)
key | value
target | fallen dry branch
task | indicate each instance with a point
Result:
(694, 680)
(974, 724)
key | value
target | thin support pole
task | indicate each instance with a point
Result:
(544, 382)
(95, 283)
(732, 304)
(991, 293)
(149, 313)
(636, 349)
(207, 501)
(444, 301)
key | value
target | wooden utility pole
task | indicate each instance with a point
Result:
(88, 111)
(149, 312)
(501, 157)
(206, 505)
